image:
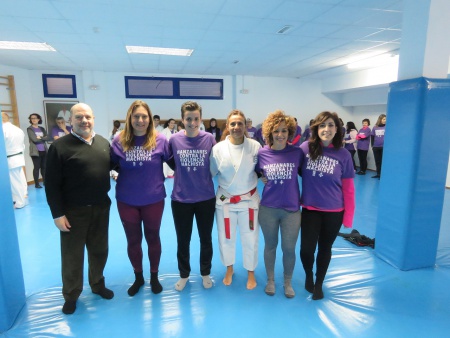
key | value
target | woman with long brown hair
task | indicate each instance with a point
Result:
(328, 196)
(140, 151)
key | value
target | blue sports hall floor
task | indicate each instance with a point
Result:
(364, 296)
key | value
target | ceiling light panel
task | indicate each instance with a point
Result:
(18, 45)
(159, 50)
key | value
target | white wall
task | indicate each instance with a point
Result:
(301, 98)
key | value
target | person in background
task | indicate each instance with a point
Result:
(307, 134)
(237, 201)
(350, 140)
(259, 137)
(279, 211)
(168, 131)
(214, 129)
(180, 126)
(139, 151)
(296, 138)
(342, 126)
(377, 138)
(328, 197)
(193, 192)
(38, 147)
(116, 130)
(77, 185)
(60, 129)
(15, 146)
(156, 120)
(363, 139)
(250, 129)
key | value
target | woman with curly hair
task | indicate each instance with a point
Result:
(140, 151)
(37, 136)
(279, 210)
(328, 196)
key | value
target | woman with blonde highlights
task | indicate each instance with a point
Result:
(139, 151)
(279, 211)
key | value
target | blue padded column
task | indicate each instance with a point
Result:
(12, 289)
(415, 159)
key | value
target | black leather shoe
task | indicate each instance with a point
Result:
(376, 176)
(69, 307)
(38, 186)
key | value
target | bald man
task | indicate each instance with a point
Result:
(14, 144)
(77, 185)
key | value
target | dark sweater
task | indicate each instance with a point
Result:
(77, 173)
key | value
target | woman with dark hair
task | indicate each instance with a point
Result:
(140, 151)
(363, 138)
(38, 148)
(328, 197)
(237, 201)
(279, 210)
(377, 138)
(350, 140)
(214, 129)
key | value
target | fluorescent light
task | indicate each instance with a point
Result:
(375, 61)
(18, 45)
(159, 50)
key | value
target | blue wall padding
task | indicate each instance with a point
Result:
(415, 160)
(12, 289)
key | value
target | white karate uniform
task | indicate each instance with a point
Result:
(236, 181)
(15, 146)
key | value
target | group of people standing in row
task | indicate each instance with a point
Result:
(359, 141)
(77, 184)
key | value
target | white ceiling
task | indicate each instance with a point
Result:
(92, 34)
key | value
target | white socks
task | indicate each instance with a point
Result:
(179, 286)
(207, 282)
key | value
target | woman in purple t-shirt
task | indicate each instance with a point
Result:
(279, 210)
(363, 138)
(328, 196)
(193, 192)
(377, 138)
(140, 152)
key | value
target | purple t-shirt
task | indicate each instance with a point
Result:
(322, 178)
(141, 178)
(251, 132)
(57, 131)
(281, 169)
(363, 143)
(378, 134)
(38, 132)
(193, 181)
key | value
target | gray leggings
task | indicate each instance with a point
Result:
(271, 220)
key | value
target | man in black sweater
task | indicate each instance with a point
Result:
(77, 185)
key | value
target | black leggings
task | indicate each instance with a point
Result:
(318, 228)
(183, 217)
(39, 164)
(362, 155)
(378, 155)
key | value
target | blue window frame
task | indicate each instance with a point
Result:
(139, 87)
(60, 86)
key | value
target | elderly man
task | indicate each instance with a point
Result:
(14, 143)
(77, 185)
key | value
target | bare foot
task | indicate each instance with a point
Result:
(251, 281)
(228, 275)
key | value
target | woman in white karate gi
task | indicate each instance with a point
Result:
(237, 199)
